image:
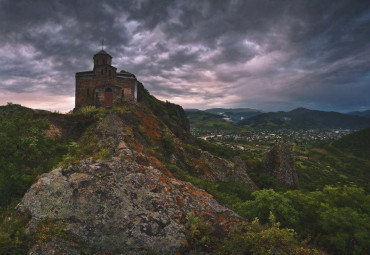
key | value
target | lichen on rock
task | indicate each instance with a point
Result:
(115, 205)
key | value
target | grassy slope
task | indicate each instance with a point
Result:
(341, 162)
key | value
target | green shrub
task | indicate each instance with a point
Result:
(168, 144)
(199, 234)
(25, 151)
(254, 238)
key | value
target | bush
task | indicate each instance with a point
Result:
(25, 151)
(168, 144)
(254, 238)
(338, 218)
(200, 234)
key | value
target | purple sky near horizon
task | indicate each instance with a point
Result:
(268, 55)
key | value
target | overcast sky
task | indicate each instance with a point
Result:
(264, 54)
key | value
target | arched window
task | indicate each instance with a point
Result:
(88, 92)
(108, 90)
(101, 71)
(110, 73)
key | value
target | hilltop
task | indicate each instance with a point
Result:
(141, 157)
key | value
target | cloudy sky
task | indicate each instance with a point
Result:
(264, 54)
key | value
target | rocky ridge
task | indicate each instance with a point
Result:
(116, 192)
(129, 203)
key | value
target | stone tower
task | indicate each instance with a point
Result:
(104, 86)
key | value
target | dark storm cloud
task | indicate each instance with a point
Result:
(261, 54)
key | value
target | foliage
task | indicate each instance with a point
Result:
(25, 151)
(254, 238)
(168, 144)
(87, 110)
(246, 238)
(330, 165)
(221, 151)
(13, 239)
(356, 143)
(266, 201)
(210, 121)
(200, 234)
(91, 111)
(336, 217)
(17, 237)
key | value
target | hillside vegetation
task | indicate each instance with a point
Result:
(301, 118)
(205, 120)
(356, 143)
(154, 141)
(242, 119)
(168, 171)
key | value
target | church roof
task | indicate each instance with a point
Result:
(125, 74)
(86, 73)
(102, 52)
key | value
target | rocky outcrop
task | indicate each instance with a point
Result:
(172, 115)
(119, 206)
(218, 169)
(279, 163)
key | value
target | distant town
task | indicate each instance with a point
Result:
(259, 138)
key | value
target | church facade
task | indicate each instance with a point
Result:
(104, 86)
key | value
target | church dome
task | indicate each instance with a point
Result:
(102, 58)
(102, 52)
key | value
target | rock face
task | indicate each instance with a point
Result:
(171, 114)
(219, 169)
(119, 206)
(280, 164)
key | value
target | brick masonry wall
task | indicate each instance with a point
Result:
(90, 88)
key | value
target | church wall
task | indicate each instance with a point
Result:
(100, 95)
(88, 86)
(84, 91)
(129, 88)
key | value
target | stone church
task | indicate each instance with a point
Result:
(104, 86)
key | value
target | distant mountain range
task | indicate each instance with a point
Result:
(227, 114)
(302, 118)
(361, 113)
(299, 118)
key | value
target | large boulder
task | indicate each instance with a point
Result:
(219, 169)
(118, 206)
(280, 164)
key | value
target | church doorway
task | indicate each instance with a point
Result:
(108, 97)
